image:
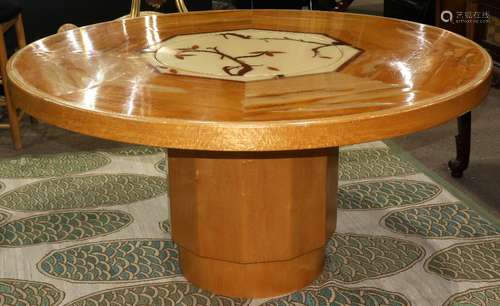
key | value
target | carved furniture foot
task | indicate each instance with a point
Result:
(460, 164)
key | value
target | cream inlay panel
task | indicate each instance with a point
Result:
(250, 55)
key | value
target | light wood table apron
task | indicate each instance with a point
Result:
(253, 106)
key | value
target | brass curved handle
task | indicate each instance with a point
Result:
(181, 6)
(135, 10)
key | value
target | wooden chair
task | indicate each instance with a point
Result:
(10, 16)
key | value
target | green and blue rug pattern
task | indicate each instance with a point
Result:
(165, 226)
(164, 294)
(386, 194)
(332, 294)
(355, 258)
(24, 293)
(454, 220)
(161, 166)
(473, 262)
(92, 229)
(375, 163)
(116, 261)
(62, 227)
(53, 165)
(488, 296)
(135, 151)
(4, 216)
(81, 192)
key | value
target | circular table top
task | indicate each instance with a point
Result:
(250, 80)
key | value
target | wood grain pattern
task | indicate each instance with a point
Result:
(253, 224)
(94, 81)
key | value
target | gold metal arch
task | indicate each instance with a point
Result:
(135, 10)
(181, 6)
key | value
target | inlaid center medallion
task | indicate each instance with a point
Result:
(250, 55)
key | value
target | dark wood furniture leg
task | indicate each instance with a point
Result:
(460, 164)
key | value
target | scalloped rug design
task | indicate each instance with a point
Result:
(93, 229)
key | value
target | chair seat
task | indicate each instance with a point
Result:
(9, 9)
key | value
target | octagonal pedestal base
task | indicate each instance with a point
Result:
(252, 224)
(252, 280)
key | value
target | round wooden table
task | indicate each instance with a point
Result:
(252, 106)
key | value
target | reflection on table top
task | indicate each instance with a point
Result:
(250, 80)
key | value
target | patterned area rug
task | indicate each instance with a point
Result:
(91, 228)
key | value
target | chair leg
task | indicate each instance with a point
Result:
(15, 132)
(21, 43)
(463, 139)
(21, 38)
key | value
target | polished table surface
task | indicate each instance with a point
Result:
(408, 77)
(253, 106)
